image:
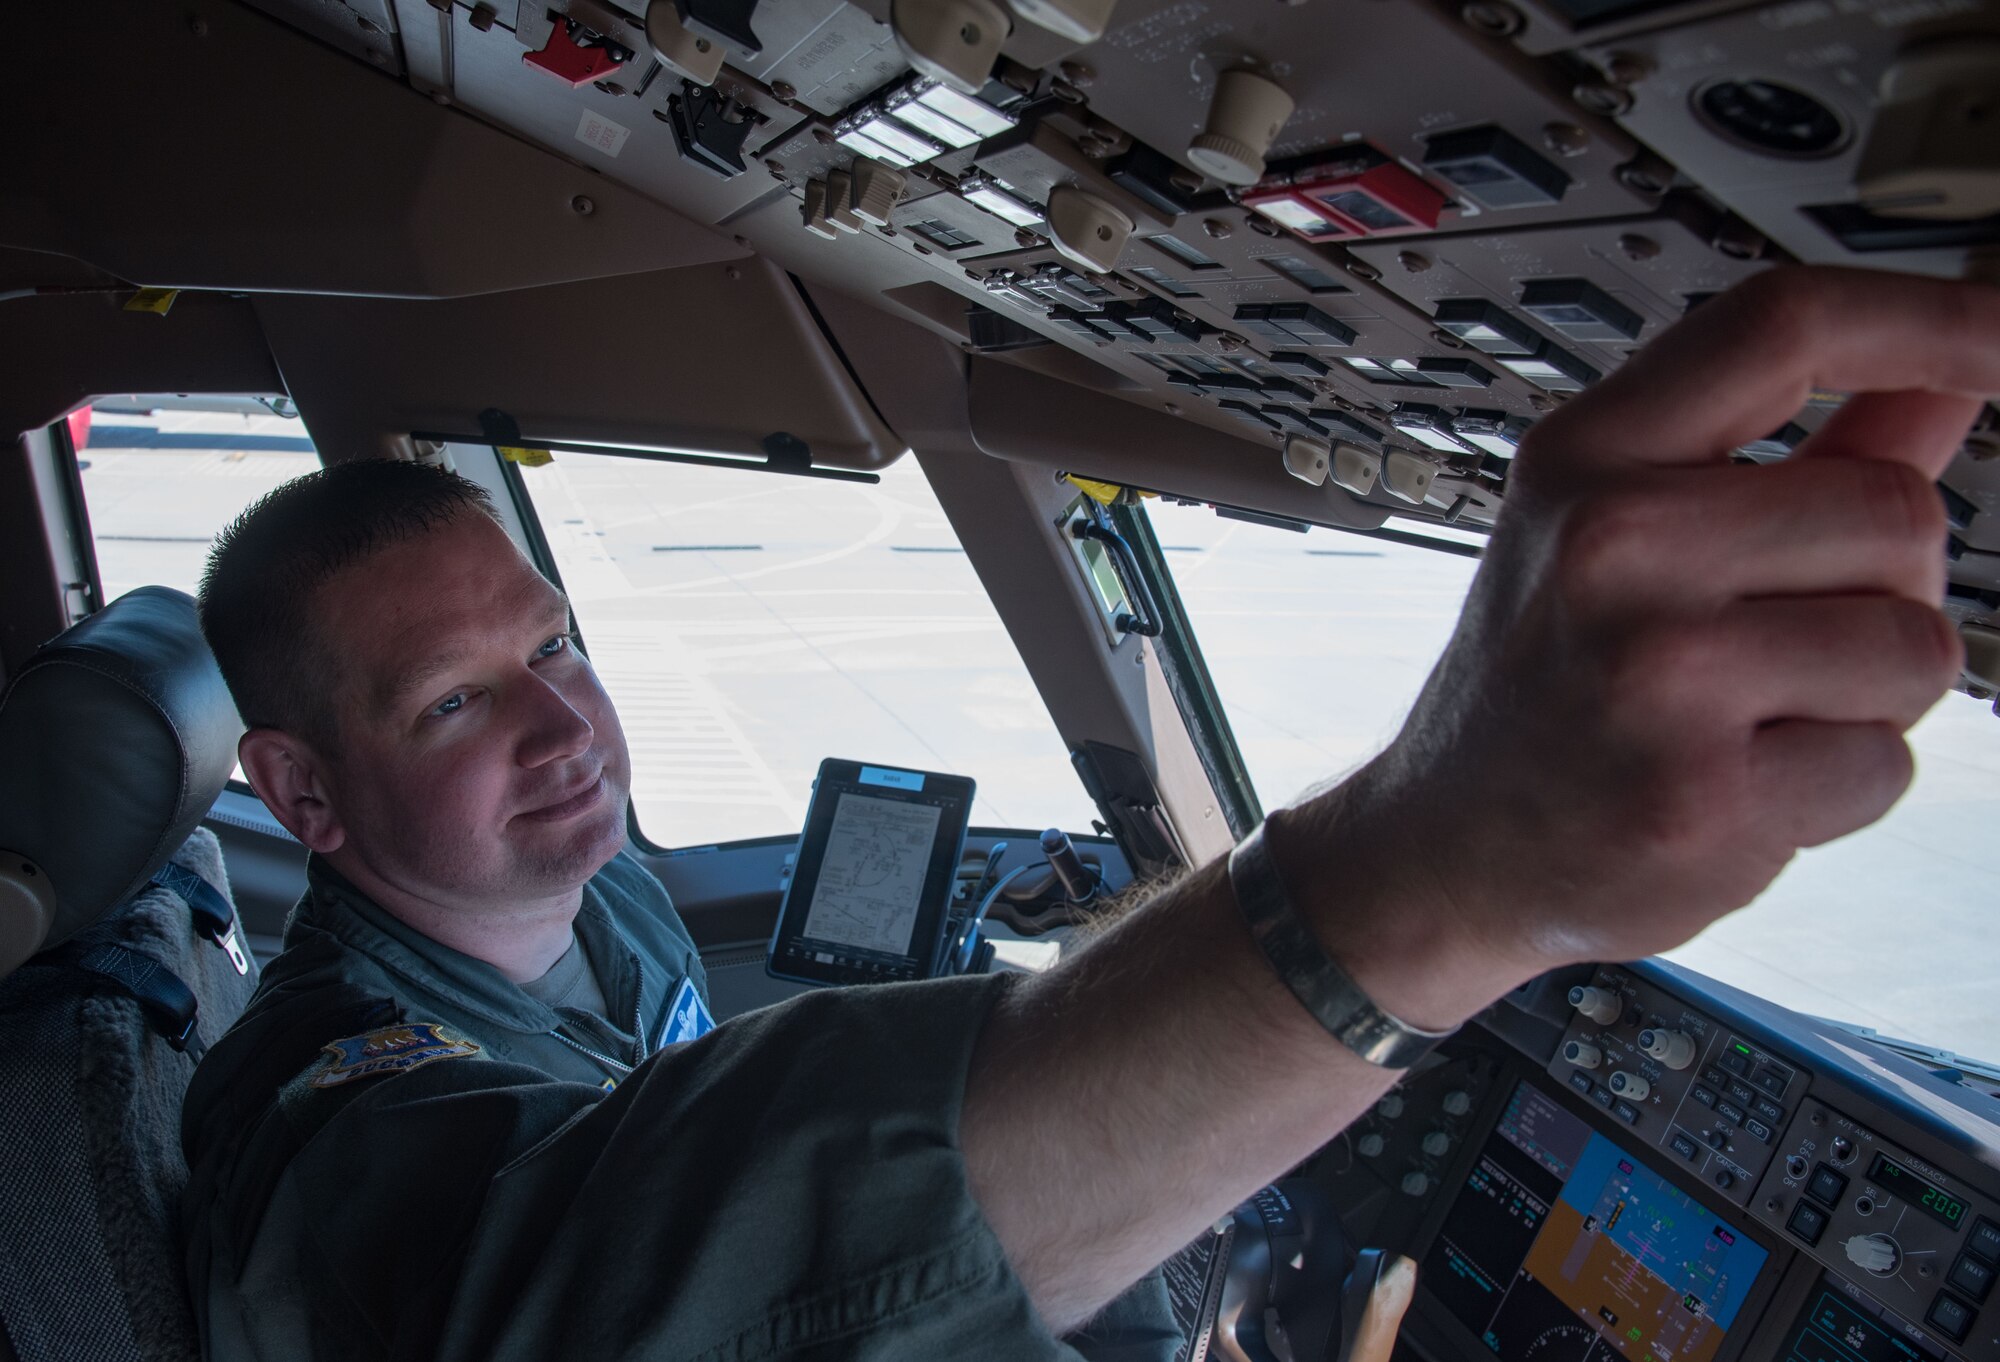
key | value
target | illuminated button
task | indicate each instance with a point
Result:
(1951, 1316)
(1684, 1147)
(1735, 1060)
(1827, 1185)
(1487, 326)
(1627, 1113)
(1808, 1222)
(1971, 1276)
(1985, 1241)
(1550, 368)
(1741, 1093)
(1729, 1111)
(1757, 1128)
(1581, 1082)
(1703, 1094)
(1581, 310)
(1769, 1110)
(1494, 168)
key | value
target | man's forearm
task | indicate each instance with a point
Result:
(1161, 1076)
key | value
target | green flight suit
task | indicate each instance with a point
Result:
(397, 1153)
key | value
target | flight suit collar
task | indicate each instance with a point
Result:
(334, 905)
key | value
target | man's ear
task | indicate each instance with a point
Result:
(292, 781)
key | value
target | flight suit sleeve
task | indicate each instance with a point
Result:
(787, 1186)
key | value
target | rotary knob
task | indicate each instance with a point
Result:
(1390, 1107)
(1675, 1049)
(1437, 1144)
(1631, 1087)
(1601, 1005)
(1583, 1054)
(1370, 1145)
(1416, 1184)
(1876, 1253)
(1457, 1102)
(1243, 119)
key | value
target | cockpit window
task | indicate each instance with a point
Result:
(163, 474)
(1319, 642)
(749, 624)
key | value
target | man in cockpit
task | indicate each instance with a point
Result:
(477, 1108)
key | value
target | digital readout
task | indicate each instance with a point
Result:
(1932, 1200)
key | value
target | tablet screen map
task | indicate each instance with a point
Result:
(871, 881)
(1564, 1248)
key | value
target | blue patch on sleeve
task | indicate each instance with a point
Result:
(687, 1016)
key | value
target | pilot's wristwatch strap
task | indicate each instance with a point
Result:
(1328, 991)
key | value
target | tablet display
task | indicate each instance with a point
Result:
(868, 900)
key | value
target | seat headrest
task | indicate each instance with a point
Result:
(116, 737)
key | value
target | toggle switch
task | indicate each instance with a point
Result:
(952, 41)
(1355, 468)
(877, 189)
(1080, 21)
(1408, 476)
(1086, 229)
(687, 54)
(1307, 459)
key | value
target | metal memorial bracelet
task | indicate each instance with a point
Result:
(1349, 1015)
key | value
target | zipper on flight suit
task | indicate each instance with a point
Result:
(617, 1069)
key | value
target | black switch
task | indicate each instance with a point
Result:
(1580, 1080)
(1740, 1092)
(1349, 428)
(1769, 1110)
(1627, 1113)
(1757, 1129)
(1456, 373)
(1951, 1316)
(1256, 319)
(1293, 420)
(1487, 326)
(1771, 1081)
(1581, 310)
(1310, 326)
(1602, 1096)
(1775, 446)
(1495, 168)
(1298, 364)
(1736, 1062)
(1090, 326)
(1827, 1185)
(1808, 1222)
(1971, 1276)
(1684, 1147)
(1243, 411)
(1985, 1241)
(710, 129)
(1702, 1094)
(723, 21)
(1959, 511)
(1729, 1111)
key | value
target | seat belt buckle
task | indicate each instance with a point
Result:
(231, 943)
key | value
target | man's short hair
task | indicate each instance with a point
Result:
(256, 598)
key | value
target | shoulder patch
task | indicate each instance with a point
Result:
(687, 1017)
(391, 1050)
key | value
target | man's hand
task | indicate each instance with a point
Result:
(1673, 672)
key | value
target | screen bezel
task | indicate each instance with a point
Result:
(1442, 1330)
(839, 777)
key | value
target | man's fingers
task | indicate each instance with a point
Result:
(1816, 527)
(1835, 659)
(1743, 364)
(1921, 429)
(1813, 782)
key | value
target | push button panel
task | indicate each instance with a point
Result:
(1875, 1213)
(1678, 1078)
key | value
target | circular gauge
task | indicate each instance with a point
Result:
(1774, 119)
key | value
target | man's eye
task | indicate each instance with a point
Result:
(558, 644)
(450, 705)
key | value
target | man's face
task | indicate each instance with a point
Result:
(478, 761)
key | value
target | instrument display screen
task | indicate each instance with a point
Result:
(1926, 1196)
(1563, 1247)
(1842, 1323)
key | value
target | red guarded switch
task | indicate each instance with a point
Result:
(576, 63)
(1357, 192)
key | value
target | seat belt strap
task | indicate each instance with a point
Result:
(169, 1004)
(213, 916)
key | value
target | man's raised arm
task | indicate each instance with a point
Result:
(1673, 672)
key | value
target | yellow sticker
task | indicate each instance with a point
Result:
(155, 300)
(1102, 492)
(527, 458)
